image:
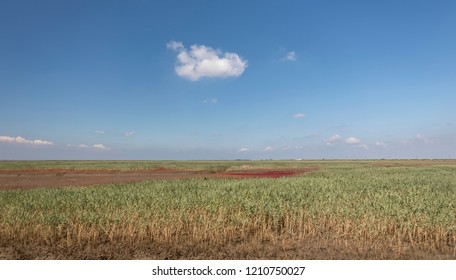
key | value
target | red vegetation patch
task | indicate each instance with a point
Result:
(266, 173)
(259, 174)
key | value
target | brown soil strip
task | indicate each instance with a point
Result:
(316, 248)
(34, 178)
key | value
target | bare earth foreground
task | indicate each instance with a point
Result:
(202, 233)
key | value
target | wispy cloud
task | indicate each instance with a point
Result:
(202, 61)
(380, 144)
(210, 101)
(129, 133)
(356, 142)
(99, 132)
(352, 141)
(290, 56)
(417, 140)
(268, 149)
(243, 150)
(94, 147)
(423, 139)
(100, 147)
(22, 140)
(175, 46)
(333, 139)
(77, 146)
(299, 116)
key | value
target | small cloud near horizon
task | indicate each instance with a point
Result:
(129, 133)
(243, 150)
(424, 139)
(333, 139)
(101, 147)
(95, 146)
(299, 116)
(77, 146)
(268, 149)
(352, 141)
(22, 140)
(380, 144)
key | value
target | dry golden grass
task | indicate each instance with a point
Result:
(356, 239)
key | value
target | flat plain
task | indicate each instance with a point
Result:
(378, 209)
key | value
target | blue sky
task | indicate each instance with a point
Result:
(227, 79)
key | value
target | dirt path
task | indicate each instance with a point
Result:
(319, 248)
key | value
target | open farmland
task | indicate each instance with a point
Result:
(228, 210)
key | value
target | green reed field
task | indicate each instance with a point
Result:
(343, 210)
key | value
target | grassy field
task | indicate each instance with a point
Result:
(343, 210)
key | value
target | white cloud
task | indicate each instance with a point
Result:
(352, 141)
(291, 56)
(100, 147)
(22, 140)
(99, 132)
(299, 116)
(95, 146)
(243, 150)
(292, 148)
(333, 139)
(418, 139)
(380, 144)
(210, 101)
(201, 61)
(175, 46)
(364, 146)
(77, 146)
(268, 149)
(424, 139)
(7, 139)
(129, 133)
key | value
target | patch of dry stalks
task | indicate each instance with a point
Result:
(203, 235)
